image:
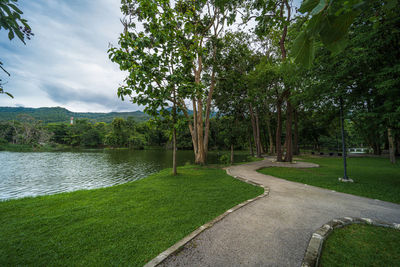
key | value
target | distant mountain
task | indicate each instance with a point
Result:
(58, 114)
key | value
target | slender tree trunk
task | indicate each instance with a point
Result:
(174, 172)
(198, 118)
(208, 106)
(231, 153)
(296, 150)
(253, 124)
(376, 146)
(271, 139)
(200, 157)
(260, 149)
(278, 144)
(392, 156)
(344, 149)
(282, 40)
(251, 146)
(194, 128)
(288, 141)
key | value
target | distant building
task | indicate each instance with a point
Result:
(72, 120)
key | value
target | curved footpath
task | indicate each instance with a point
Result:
(275, 230)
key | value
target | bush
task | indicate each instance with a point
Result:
(225, 159)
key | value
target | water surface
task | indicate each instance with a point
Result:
(43, 173)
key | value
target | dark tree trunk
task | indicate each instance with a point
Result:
(260, 149)
(278, 144)
(255, 136)
(251, 146)
(271, 139)
(392, 156)
(288, 138)
(296, 150)
(376, 146)
(174, 171)
(231, 153)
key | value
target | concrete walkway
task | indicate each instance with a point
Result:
(275, 230)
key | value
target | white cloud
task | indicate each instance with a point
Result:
(66, 63)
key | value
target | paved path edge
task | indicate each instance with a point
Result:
(177, 246)
(314, 249)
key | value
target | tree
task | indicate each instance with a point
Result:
(166, 60)
(11, 21)
(330, 22)
(155, 57)
(235, 60)
(364, 75)
(273, 19)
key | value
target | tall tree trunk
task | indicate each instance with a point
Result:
(253, 124)
(200, 157)
(194, 128)
(174, 172)
(271, 139)
(282, 40)
(278, 144)
(208, 106)
(251, 146)
(260, 149)
(231, 153)
(392, 156)
(296, 150)
(288, 138)
(376, 146)
(197, 137)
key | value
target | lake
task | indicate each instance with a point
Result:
(43, 173)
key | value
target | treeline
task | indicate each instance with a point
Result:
(120, 133)
(314, 132)
(58, 114)
(83, 133)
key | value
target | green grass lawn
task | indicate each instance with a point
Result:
(362, 245)
(127, 224)
(373, 177)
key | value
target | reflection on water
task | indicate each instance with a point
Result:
(32, 174)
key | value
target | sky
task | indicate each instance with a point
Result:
(66, 62)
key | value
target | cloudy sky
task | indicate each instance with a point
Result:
(66, 63)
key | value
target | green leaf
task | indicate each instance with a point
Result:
(7, 10)
(308, 5)
(321, 6)
(335, 29)
(303, 49)
(15, 8)
(20, 36)
(314, 26)
(10, 35)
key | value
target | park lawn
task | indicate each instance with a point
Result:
(362, 245)
(127, 224)
(375, 178)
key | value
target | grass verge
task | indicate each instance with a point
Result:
(127, 224)
(362, 245)
(373, 177)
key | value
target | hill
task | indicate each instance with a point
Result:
(58, 114)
